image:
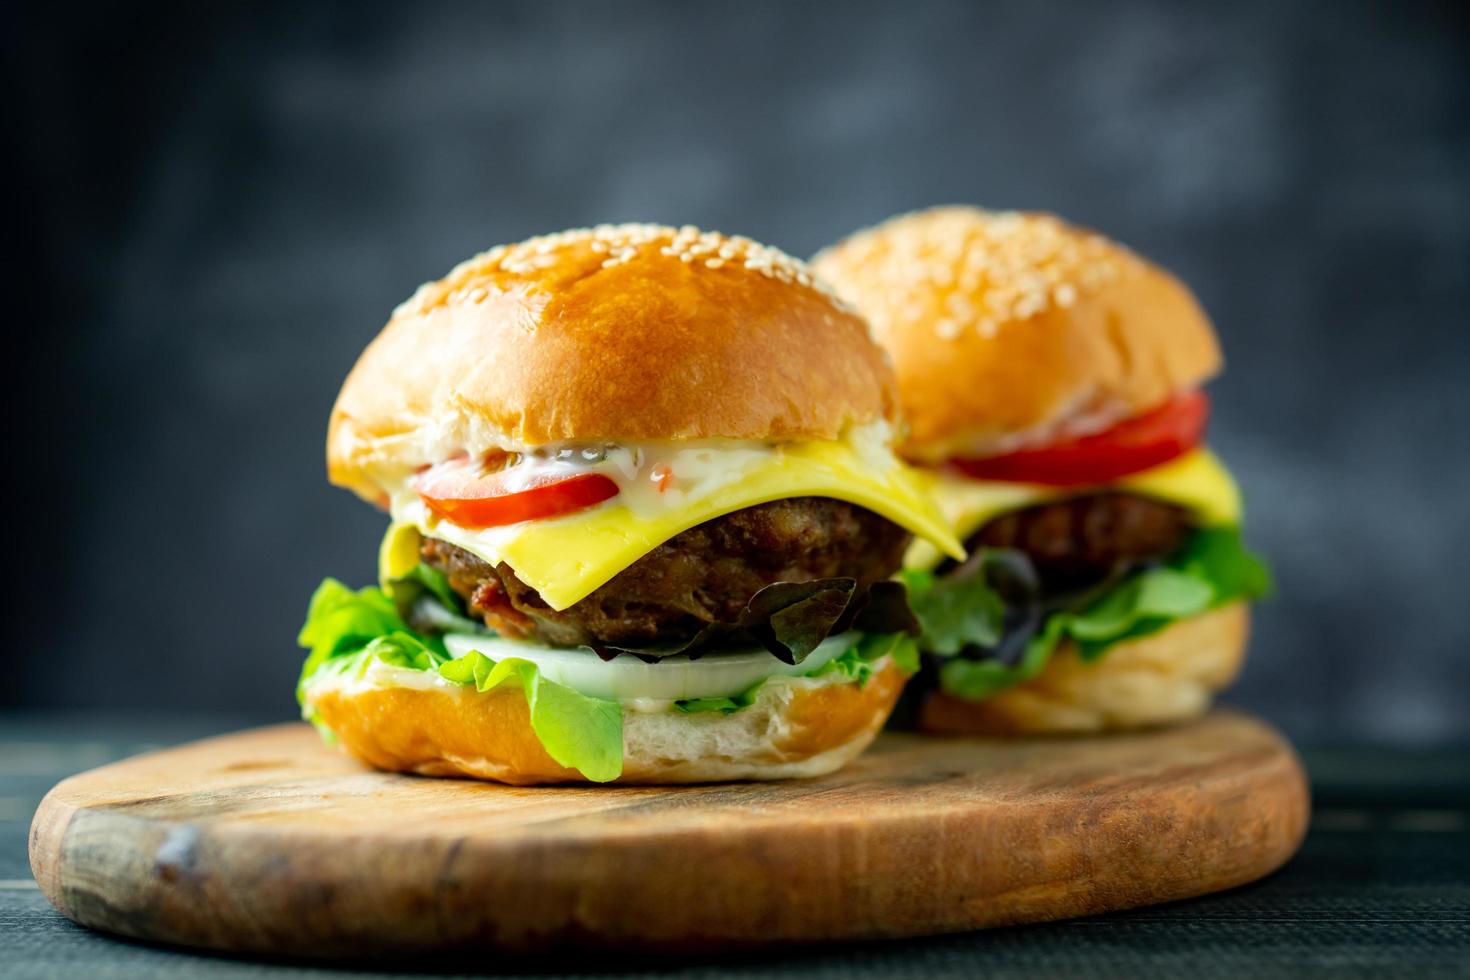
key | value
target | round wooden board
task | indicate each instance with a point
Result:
(266, 841)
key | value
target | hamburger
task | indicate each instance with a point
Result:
(1052, 383)
(645, 509)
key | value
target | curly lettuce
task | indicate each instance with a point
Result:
(990, 629)
(791, 619)
(346, 631)
(341, 622)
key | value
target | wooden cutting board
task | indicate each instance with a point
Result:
(267, 841)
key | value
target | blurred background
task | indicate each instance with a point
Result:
(214, 209)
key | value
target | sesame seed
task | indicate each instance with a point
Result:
(496, 269)
(976, 269)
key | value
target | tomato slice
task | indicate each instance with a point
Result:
(1137, 444)
(464, 492)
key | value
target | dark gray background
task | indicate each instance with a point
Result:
(215, 210)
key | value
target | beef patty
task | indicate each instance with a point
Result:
(1077, 542)
(706, 574)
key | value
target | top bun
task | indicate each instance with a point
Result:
(628, 332)
(1011, 330)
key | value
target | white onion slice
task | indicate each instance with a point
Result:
(713, 675)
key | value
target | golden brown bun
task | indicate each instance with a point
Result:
(1167, 677)
(791, 731)
(633, 332)
(1010, 329)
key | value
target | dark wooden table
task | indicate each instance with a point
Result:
(1381, 888)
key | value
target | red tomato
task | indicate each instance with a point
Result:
(463, 492)
(1137, 444)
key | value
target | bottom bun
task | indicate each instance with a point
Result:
(1167, 677)
(794, 729)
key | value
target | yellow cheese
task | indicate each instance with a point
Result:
(566, 558)
(399, 552)
(1195, 481)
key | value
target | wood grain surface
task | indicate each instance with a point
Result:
(267, 841)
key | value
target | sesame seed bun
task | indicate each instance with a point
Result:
(615, 333)
(1011, 330)
(792, 730)
(1167, 677)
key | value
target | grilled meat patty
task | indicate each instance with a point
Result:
(1077, 542)
(706, 574)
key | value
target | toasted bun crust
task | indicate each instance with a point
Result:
(1167, 677)
(789, 732)
(1009, 330)
(629, 332)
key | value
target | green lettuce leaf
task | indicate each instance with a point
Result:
(408, 650)
(1218, 555)
(1213, 568)
(340, 621)
(956, 611)
(974, 679)
(744, 699)
(423, 578)
(970, 605)
(1143, 604)
(345, 631)
(904, 650)
(581, 733)
(425, 600)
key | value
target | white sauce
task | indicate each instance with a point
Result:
(693, 470)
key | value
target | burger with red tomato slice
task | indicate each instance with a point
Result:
(645, 514)
(1052, 382)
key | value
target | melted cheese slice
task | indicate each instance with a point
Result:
(1195, 481)
(566, 558)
